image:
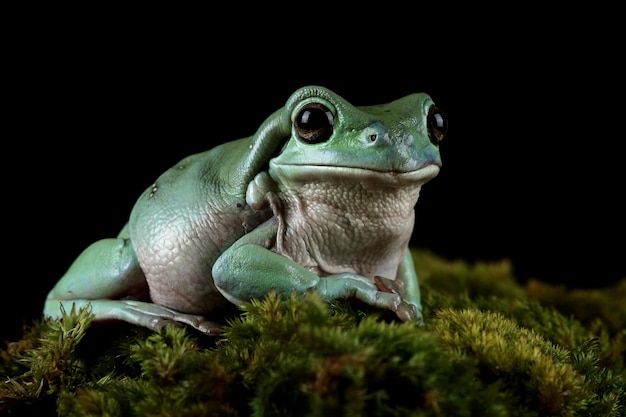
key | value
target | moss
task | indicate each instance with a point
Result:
(490, 347)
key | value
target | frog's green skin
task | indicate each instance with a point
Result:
(272, 212)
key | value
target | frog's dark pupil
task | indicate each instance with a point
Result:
(438, 120)
(437, 125)
(315, 118)
(314, 123)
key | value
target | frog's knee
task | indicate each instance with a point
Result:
(106, 269)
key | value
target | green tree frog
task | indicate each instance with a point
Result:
(321, 198)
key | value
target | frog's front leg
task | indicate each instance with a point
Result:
(107, 279)
(249, 270)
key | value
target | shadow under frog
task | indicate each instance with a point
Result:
(321, 198)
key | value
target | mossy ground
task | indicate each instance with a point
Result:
(490, 347)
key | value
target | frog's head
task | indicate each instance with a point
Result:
(396, 143)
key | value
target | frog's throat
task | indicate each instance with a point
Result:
(326, 173)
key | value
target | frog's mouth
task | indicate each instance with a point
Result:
(304, 173)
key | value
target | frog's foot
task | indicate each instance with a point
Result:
(405, 311)
(156, 317)
(141, 313)
(348, 285)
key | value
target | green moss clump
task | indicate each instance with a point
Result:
(43, 363)
(490, 347)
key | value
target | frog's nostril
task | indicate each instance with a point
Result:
(376, 133)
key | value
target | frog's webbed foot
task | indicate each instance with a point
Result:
(349, 285)
(405, 311)
(156, 317)
(152, 316)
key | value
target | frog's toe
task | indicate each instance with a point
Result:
(209, 328)
(204, 326)
(388, 285)
(200, 323)
(409, 312)
(158, 323)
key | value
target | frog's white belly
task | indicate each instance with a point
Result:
(334, 228)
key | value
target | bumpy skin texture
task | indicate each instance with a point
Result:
(321, 199)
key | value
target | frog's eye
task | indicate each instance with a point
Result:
(314, 123)
(437, 125)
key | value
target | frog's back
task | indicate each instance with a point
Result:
(186, 219)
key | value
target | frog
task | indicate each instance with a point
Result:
(321, 198)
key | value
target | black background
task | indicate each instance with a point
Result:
(533, 165)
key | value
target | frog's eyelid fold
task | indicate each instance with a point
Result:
(296, 109)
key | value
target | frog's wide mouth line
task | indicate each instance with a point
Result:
(423, 173)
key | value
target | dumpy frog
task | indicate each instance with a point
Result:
(321, 198)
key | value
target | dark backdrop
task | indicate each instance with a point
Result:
(533, 166)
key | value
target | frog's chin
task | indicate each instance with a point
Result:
(328, 173)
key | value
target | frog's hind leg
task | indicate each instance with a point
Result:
(107, 269)
(107, 278)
